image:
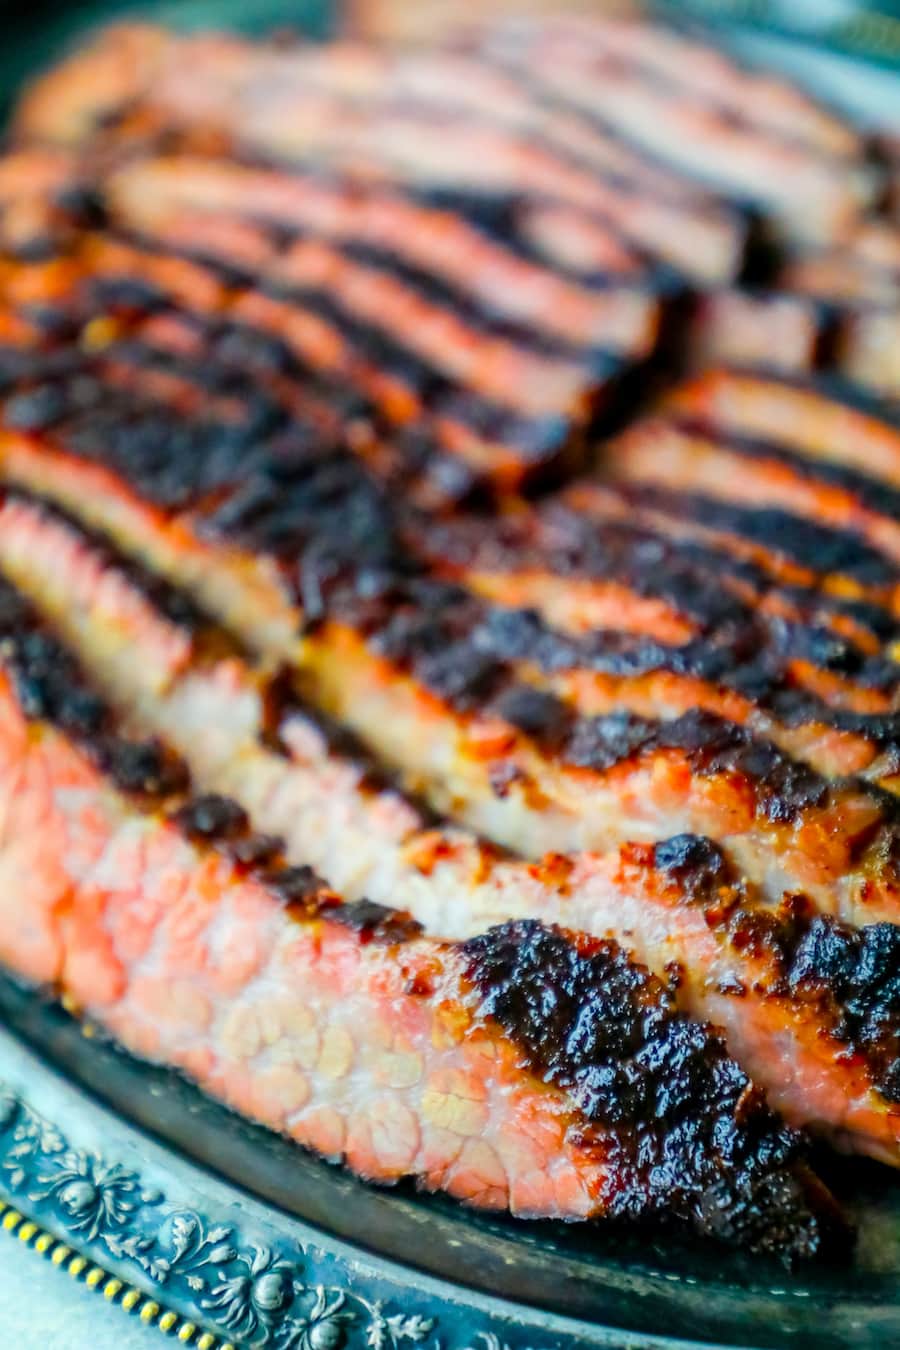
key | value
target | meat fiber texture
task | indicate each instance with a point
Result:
(548, 753)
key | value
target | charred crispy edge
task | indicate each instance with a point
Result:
(168, 457)
(822, 549)
(424, 628)
(846, 975)
(336, 532)
(736, 642)
(634, 1073)
(516, 635)
(849, 977)
(542, 444)
(591, 1022)
(231, 348)
(176, 605)
(441, 393)
(51, 687)
(872, 493)
(798, 540)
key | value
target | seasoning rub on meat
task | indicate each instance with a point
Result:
(472, 747)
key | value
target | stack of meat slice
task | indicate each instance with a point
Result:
(828, 295)
(542, 848)
(832, 309)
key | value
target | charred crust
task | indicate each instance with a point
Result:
(146, 768)
(537, 440)
(691, 1135)
(535, 712)
(873, 493)
(172, 602)
(735, 644)
(300, 888)
(478, 316)
(696, 863)
(52, 687)
(820, 548)
(783, 788)
(855, 971)
(377, 923)
(211, 817)
(255, 850)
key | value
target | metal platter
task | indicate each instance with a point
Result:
(223, 1234)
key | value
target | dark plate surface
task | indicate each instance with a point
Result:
(642, 1284)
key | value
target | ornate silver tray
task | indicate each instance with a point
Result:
(221, 1234)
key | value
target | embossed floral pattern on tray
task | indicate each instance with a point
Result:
(256, 1295)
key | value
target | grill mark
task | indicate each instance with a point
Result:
(429, 630)
(820, 549)
(873, 493)
(780, 575)
(687, 577)
(498, 216)
(336, 503)
(485, 643)
(696, 865)
(478, 316)
(588, 1020)
(605, 654)
(232, 346)
(539, 333)
(533, 437)
(441, 394)
(444, 467)
(366, 593)
(519, 636)
(535, 442)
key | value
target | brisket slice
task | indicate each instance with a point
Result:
(793, 990)
(377, 119)
(394, 655)
(529, 1068)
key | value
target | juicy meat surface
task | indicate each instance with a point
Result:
(404, 661)
(472, 753)
(765, 972)
(470, 1067)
